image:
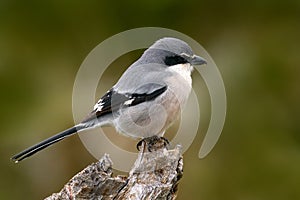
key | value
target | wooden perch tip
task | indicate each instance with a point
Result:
(154, 175)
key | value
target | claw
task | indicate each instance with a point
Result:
(153, 143)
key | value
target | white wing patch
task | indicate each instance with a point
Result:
(99, 105)
(128, 102)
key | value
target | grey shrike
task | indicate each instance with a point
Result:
(146, 100)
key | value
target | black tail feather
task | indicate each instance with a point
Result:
(36, 148)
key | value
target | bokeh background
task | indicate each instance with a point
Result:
(254, 43)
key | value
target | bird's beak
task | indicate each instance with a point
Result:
(197, 60)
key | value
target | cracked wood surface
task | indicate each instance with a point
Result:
(154, 175)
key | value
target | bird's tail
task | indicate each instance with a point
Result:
(36, 148)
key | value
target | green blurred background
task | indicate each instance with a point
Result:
(254, 43)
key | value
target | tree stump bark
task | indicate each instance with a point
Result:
(154, 175)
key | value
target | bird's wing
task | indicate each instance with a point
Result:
(112, 101)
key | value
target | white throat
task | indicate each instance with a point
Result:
(184, 70)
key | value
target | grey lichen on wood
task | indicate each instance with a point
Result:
(154, 175)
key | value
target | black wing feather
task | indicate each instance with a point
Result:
(113, 101)
(140, 98)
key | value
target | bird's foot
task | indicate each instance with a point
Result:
(152, 143)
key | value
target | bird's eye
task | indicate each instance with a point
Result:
(174, 60)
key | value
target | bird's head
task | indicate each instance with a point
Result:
(171, 51)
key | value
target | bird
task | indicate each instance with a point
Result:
(145, 101)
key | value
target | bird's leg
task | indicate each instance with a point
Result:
(153, 143)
